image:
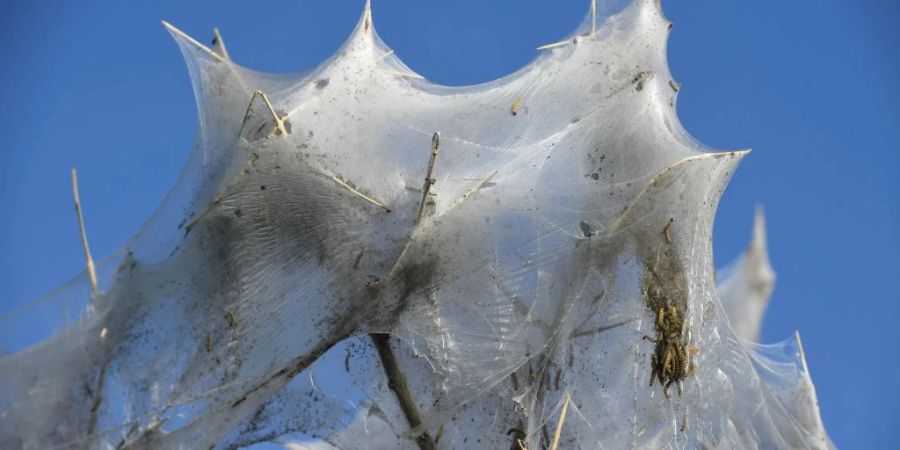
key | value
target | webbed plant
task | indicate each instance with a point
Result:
(362, 257)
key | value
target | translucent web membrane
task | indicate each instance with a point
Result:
(357, 256)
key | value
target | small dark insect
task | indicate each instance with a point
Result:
(232, 321)
(208, 342)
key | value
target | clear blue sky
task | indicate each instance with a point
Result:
(813, 86)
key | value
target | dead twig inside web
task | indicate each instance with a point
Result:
(429, 178)
(359, 194)
(386, 54)
(557, 44)
(219, 44)
(398, 385)
(193, 41)
(89, 261)
(475, 188)
(97, 392)
(279, 122)
(426, 191)
(559, 425)
(219, 54)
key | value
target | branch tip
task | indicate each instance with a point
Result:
(89, 261)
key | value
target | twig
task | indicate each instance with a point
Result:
(219, 57)
(556, 44)
(394, 267)
(279, 124)
(429, 181)
(429, 178)
(289, 371)
(98, 399)
(414, 76)
(193, 222)
(360, 194)
(89, 262)
(193, 41)
(220, 44)
(559, 425)
(386, 54)
(617, 224)
(397, 384)
(475, 188)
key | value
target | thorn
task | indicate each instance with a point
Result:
(172, 29)
(220, 44)
(429, 179)
(279, 123)
(360, 194)
(559, 425)
(89, 262)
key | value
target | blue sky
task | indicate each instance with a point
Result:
(813, 86)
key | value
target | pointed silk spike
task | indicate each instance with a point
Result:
(367, 16)
(279, 122)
